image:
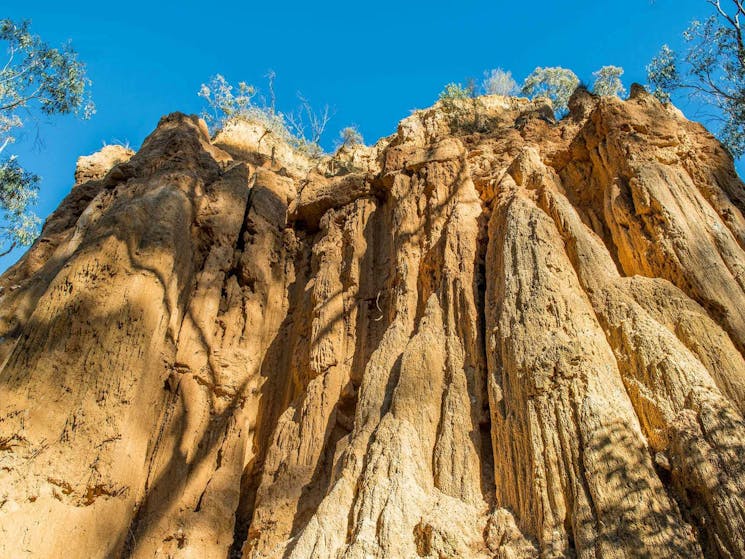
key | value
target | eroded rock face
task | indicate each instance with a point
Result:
(482, 337)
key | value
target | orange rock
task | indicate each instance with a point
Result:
(518, 339)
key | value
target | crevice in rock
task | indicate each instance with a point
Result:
(244, 511)
(245, 231)
(486, 459)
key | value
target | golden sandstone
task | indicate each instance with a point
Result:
(522, 341)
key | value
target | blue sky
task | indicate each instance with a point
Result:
(372, 62)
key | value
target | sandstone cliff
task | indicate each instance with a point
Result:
(508, 338)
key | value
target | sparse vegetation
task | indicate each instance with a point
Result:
(463, 108)
(306, 120)
(117, 142)
(711, 71)
(35, 79)
(302, 128)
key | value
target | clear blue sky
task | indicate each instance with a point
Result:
(371, 61)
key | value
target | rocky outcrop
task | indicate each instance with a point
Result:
(490, 335)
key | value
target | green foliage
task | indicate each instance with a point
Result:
(18, 190)
(608, 81)
(35, 78)
(302, 128)
(464, 110)
(454, 92)
(52, 78)
(350, 136)
(461, 103)
(662, 73)
(711, 70)
(499, 82)
(556, 83)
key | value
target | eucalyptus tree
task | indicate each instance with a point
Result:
(556, 83)
(35, 80)
(608, 81)
(710, 69)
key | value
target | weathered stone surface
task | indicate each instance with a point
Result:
(95, 166)
(517, 342)
(320, 195)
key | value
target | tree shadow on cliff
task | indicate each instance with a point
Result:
(55, 357)
(82, 318)
(275, 395)
(186, 279)
(627, 507)
(279, 388)
(164, 491)
(625, 504)
(707, 445)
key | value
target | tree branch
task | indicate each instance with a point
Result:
(21, 102)
(735, 23)
(12, 246)
(5, 144)
(10, 60)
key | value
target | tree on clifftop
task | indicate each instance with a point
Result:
(556, 83)
(34, 79)
(711, 69)
(499, 82)
(608, 81)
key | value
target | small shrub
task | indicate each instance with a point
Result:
(452, 93)
(499, 82)
(306, 118)
(350, 136)
(464, 109)
(117, 142)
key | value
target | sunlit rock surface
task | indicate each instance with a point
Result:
(490, 335)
